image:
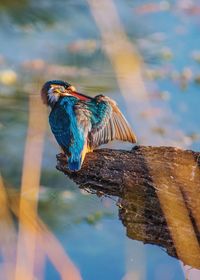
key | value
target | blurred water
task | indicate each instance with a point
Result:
(37, 37)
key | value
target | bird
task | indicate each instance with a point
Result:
(81, 123)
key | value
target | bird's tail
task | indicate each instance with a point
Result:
(74, 164)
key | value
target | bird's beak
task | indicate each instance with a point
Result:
(68, 91)
(72, 90)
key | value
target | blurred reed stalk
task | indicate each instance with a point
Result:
(30, 189)
(127, 62)
(8, 236)
(47, 245)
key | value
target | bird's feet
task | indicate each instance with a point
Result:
(61, 157)
(61, 161)
(62, 164)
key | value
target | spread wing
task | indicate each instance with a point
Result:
(106, 122)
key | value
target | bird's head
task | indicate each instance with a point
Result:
(53, 90)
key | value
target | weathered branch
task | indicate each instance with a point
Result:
(158, 190)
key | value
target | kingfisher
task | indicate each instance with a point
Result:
(81, 123)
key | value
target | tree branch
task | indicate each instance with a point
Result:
(158, 190)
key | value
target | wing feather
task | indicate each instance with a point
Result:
(112, 125)
(102, 121)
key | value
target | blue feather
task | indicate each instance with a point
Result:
(74, 165)
(64, 126)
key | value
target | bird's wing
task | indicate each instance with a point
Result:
(106, 121)
(59, 122)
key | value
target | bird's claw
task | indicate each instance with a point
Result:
(61, 157)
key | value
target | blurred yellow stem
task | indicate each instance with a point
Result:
(47, 244)
(7, 235)
(30, 189)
